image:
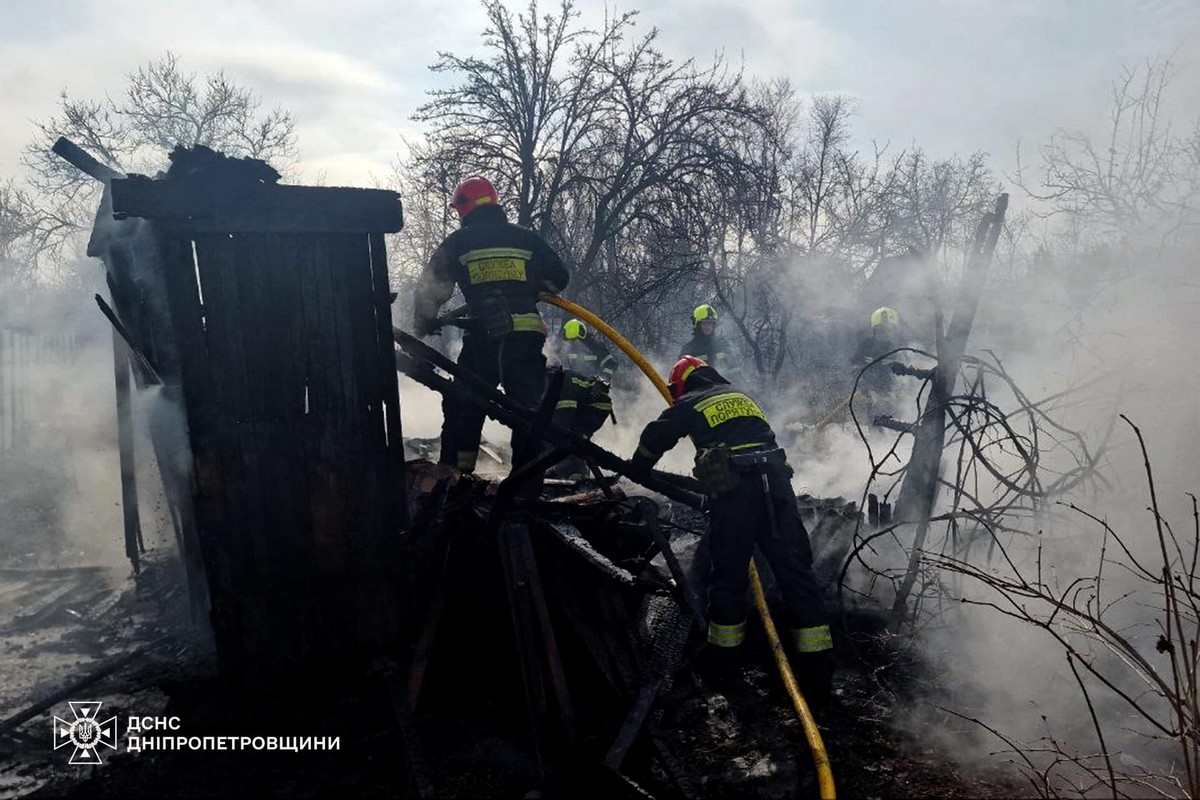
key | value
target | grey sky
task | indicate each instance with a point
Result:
(952, 75)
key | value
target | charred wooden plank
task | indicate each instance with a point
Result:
(683, 587)
(424, 647)
(282, 326)
(375, 554)
(47, 703)
(528, 650)
(129, 496)
(201, 399)
(418, 770)
(257, 207)
(574, 540)
(83, 161)
(567, 600)
(241, 540)
(389, 388)
(149, 371)
(299, 606)
(423, 651)
(633, 723)
(524, 555)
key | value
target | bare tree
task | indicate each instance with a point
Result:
(524, 114)
(427, 220)
(593, 135)
(1131, 648)
(16, 231)
(1140, 176)
(937, 202)
(160, 108)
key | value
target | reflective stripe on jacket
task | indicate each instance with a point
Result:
(492, 261)
(717, 416)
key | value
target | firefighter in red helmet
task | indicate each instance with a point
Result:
(747, 479)
(500, 268)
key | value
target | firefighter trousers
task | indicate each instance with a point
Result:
(515, 362)
(738, 520)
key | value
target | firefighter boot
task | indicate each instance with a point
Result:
(719, 667)
(814, 673)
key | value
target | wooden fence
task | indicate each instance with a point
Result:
(22, 355)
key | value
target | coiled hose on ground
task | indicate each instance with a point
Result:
(803, 713)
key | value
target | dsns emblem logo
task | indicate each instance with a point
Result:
(86, 732)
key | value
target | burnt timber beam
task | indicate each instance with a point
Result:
(523, 617)
(83, 161)
(129, 496)
(633, 723)
(527, 577)
(420, 782)
(433, 617)
(149, 371)
(528, 466)
(687, 594)
(257, 207)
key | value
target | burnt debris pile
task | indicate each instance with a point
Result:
(597, 593)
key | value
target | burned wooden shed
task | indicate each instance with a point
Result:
(263, 310)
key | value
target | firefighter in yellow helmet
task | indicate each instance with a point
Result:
(705, 343)
(874, 348)
(580, 351)
(586, 400)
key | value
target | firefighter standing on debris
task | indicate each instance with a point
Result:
(501, 268)
(747, 479)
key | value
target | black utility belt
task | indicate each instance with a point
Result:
(758, 460)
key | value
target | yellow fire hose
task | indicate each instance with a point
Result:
(811, 733)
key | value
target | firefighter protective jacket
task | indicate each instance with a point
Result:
(714, 416)
(588, 357)
(494, 262)
(584, 392)
(712, 349)
(872, 348)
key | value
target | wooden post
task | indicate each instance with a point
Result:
(129, 496)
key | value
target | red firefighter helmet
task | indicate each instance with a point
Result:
(683, 368)
(473, 193)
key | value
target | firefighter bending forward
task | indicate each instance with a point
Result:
(747, 479)
(501, 268)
